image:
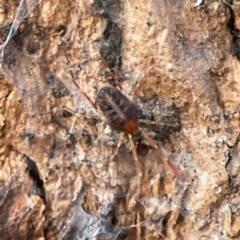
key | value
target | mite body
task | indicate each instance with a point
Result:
(121, 113)
(122, 116)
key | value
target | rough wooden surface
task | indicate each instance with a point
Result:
(58, 179)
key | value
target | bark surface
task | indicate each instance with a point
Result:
(60, 174)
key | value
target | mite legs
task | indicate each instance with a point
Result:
(138, 165)
(109, 70)
(120, 140)
(111, 73)
(164, 158)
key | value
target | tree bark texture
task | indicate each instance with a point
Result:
(61, 176)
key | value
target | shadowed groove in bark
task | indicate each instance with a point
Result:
(33, 171)
(111, 45)
(234, 32)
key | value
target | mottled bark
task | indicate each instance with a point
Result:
(179, 63)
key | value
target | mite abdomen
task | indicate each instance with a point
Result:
(121, 113)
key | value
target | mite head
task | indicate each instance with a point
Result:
(131, 127)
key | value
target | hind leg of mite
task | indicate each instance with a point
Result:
(164, 158)
(139, 166)
(120, 140)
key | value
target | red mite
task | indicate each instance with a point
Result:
(122, 116)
